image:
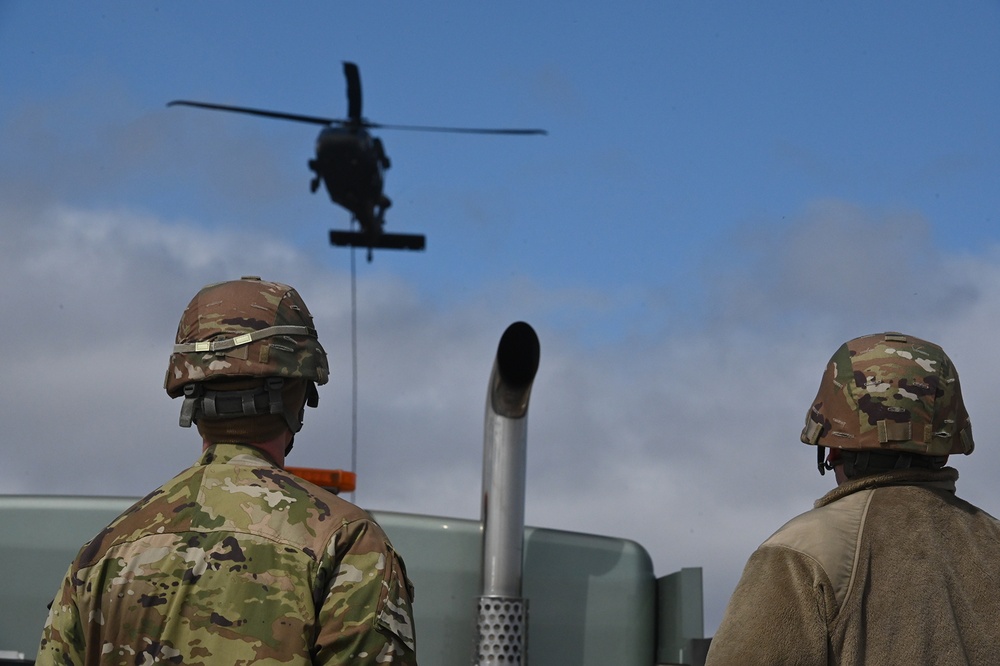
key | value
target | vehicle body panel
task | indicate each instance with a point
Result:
(592, 599)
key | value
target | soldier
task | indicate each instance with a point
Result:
(890, 567)
(234, 560)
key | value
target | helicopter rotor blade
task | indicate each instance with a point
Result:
(314, 120)
(353, 92)
(455, 130)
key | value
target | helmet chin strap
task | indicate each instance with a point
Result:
(858, 463)
(312, 399)
(861, 463)
(823, 463)
(200, 402)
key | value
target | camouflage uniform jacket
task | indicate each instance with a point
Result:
(234, 561)
(891, 568)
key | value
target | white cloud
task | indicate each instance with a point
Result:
(839, 262)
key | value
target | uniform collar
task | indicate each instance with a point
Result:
(939, 479)
(234, 454)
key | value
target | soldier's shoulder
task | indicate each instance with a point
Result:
(322, 509)
(834, 523)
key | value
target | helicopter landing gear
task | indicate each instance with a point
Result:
(383, 205)
(314, 183)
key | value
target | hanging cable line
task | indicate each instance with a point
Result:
(354, 368)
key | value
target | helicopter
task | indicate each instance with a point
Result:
(351, 163)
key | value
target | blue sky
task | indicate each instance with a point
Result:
(727, 192)
(673, 125)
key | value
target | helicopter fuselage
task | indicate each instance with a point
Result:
(351, 164)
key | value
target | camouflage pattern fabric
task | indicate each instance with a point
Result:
(890, 392)
(229, 316)
(234, 561)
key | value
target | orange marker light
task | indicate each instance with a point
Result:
(335, 480)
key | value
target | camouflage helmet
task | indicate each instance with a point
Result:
(244, 329)
(890, 392)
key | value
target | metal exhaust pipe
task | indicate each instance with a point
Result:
(503, 613)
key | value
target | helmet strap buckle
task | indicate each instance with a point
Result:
(192, 398)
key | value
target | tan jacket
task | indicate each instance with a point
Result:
(887, 569)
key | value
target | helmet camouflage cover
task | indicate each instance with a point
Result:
(245, 328)
(890, 392)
